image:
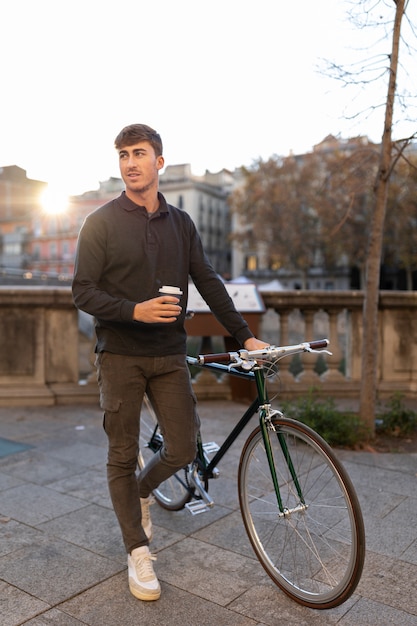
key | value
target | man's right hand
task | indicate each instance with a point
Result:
(164, 309)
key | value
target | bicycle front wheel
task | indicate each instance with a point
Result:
(173, 493)
(314, 548)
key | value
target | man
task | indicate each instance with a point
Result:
(127, 250)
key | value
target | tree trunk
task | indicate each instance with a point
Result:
(368, 393)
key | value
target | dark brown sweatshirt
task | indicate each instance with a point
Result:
(124, 255)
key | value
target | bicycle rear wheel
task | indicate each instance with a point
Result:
(315, 551)
(173, 493)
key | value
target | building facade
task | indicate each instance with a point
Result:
(53, 239)
(20, 201)
(40, 246)
(37, 244)
(204, 198)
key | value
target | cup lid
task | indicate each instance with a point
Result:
(169, 289)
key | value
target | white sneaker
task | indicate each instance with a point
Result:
(143, 583)
(145, 503)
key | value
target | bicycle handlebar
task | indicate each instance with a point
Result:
(274, 353)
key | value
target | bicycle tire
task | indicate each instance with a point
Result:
(174, 493)
(315, 555)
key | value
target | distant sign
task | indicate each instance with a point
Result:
(245, 296)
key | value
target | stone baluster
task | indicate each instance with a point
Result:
(308, 374)
(284, 374)
(333, 361)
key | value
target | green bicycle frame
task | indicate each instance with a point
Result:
(264, 414)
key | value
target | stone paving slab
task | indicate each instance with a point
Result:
(53, 570)
(110, 604)
(33, 504)
(62, 560)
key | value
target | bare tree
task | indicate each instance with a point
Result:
(368, 394)
(345, 204)
(316, 207)
(276, 215)
(390, 153)
(400, 239)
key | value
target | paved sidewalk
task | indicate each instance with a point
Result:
(62, 560)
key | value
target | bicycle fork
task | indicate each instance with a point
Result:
(265, 420)
(266, 428)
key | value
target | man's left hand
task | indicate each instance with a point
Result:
(255, 344)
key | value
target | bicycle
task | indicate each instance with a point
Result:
(298, 504)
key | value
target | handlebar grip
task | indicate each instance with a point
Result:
(221, 357)
(320, 344)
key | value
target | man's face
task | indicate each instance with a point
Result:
(139, 167)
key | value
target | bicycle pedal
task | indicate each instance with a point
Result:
(211, 447)
(195, 507)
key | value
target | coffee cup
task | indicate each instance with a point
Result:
(168, 290)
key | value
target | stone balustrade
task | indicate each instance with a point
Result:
(41, 348)
(39, 362)
(307, 315)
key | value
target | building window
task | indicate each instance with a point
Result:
(251, 262)
(12, 249)
(201, 217)
(181, 201)
(52, 225)
(52, 250)
(274, 263)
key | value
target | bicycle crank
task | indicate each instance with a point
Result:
(204, 504)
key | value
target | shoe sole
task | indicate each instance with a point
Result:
(147, 595)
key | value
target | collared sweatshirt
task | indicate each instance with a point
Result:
(124, 255)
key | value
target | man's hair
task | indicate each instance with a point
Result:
(136, 133)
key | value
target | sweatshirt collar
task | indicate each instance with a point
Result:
(127, 204)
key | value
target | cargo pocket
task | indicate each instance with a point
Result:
(109, 405)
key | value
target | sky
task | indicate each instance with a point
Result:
(225, 82)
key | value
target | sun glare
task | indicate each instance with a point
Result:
(54, 201)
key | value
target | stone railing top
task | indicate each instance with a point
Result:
(42, 296)
(284, 300)
(287, 300)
